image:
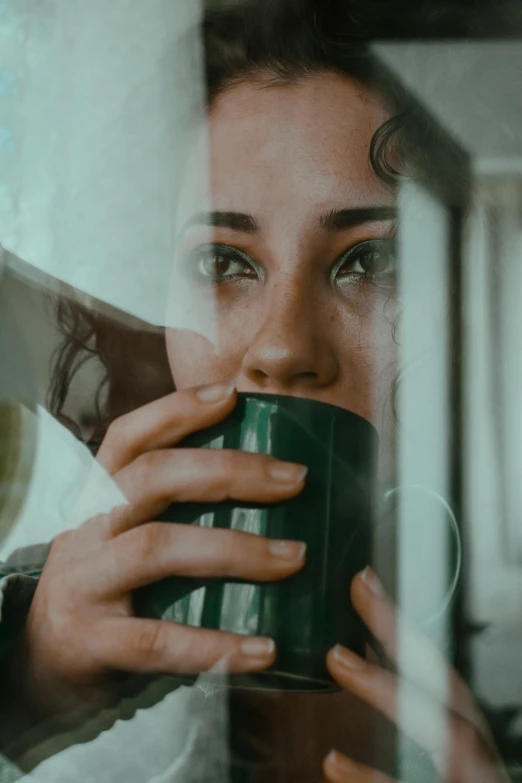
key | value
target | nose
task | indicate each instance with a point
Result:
(291, 350)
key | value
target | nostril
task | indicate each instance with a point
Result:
(259, 376)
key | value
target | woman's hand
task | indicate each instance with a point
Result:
(81, 630)
(426, 699)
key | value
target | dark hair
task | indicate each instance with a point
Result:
(276, 41)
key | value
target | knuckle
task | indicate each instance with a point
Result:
(197, 651)
(64, 552)
(60, 616)
(100, 523)
(224, 473)
(467, 736)
(151, 643)
(147, 464)
(246, 465)
(117, 433)
(470, 743)
(231, 550)
(229, 464)
(236, 466)
(113, 519)
(64, 626)
(241, 552)
(266, 461)
(151, 538)
(61, 542)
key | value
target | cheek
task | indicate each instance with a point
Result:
(197, 361)
(205, 336)
(378, 362)
(367, 353)
(191, 358)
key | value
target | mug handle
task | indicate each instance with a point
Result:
(389, 501)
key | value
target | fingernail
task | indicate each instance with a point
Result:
(257, 647)
(215, 393)
(338, 760)
(288, 550)
(347, 658)
(372, 581)
(287, 472)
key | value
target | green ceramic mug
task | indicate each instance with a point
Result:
(310, 612)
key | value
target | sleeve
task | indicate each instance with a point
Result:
(28, 740)
(18, 580)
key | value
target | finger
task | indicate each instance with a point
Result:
(159, 549)
(161, 647)
(159, 478)
(337, 768)
(415, 656)
(453, 743)
(164, 422)
(103, 527)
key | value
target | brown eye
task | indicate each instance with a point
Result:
(371, 260)
(219, 263)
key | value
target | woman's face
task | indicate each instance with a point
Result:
(283, 279)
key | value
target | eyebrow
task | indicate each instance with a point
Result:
(342, 219)
(237, 221)
(332, 221)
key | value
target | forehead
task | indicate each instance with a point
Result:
(306, 143)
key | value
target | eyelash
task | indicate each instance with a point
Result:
(370, 246)
(233, 255)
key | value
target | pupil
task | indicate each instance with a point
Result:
(366, 262)
(374, 261)
(222, 265)
(215, 264)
